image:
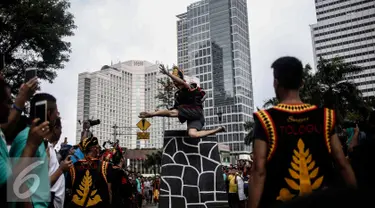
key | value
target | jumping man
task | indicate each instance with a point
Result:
(188, 105)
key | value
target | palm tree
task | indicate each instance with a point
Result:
(249, 127)
(270, 102)
(331, 88)
(153, 161)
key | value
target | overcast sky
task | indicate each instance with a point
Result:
(120, 30)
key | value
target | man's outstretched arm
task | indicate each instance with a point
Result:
(342, 163)
(258, 174)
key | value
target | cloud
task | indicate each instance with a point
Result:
(120, 30)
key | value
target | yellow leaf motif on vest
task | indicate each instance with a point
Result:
(303, 171)
(83, 192)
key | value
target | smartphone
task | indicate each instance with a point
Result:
(41, 111)
(30, 73)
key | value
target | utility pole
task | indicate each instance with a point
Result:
(164, 126)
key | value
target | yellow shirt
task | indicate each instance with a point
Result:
(233, 188)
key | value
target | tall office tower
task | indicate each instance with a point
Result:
(213, 45)
(346, 28)
(116, 95)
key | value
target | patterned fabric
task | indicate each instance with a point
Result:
(329, 124)
(88, 181)
(270, 129)
(299, 160)
(88, 142)
(295, 108)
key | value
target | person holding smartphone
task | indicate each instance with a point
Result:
(33, 140)
(51, 115)
(56, 170)
(26, 91)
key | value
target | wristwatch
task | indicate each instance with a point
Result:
(17, 108)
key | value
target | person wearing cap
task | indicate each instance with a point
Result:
(89, 180)
(188, 105)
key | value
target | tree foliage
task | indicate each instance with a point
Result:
(270, 102)
(330, 87)
(32, 35)
(165, 93)
(153, 161)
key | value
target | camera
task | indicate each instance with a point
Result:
(94, 122)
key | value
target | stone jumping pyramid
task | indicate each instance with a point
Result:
(191, 174)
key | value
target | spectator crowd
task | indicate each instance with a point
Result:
(82, 175)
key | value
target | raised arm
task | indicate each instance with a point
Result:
(176, 79)
(25, 92)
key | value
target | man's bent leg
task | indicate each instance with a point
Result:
(194, 133)
(161, 113)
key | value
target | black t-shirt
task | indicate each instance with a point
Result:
(189, 96)
(121, 188)
(93, 175)
(298, 159)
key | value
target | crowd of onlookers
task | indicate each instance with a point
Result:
(358, 142)
(236, 179)
(34, 174)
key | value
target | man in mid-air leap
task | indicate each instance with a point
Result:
(188, 105)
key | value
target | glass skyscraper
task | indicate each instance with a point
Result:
(213, 45)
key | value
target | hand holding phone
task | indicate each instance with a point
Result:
(41, 111)
(30, 73)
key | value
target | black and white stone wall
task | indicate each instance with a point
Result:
(191, 175)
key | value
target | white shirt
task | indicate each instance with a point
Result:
(59, 186)
(240, 184)
(147, 185)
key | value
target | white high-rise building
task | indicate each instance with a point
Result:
(346, 28)
(116, 95)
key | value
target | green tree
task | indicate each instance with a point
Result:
(153, 161)
(166, 93)
(32, 35)
(166, 96)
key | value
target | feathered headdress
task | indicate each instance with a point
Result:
(178, 72)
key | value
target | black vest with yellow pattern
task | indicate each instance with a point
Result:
(89, 183)
(299, 160)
